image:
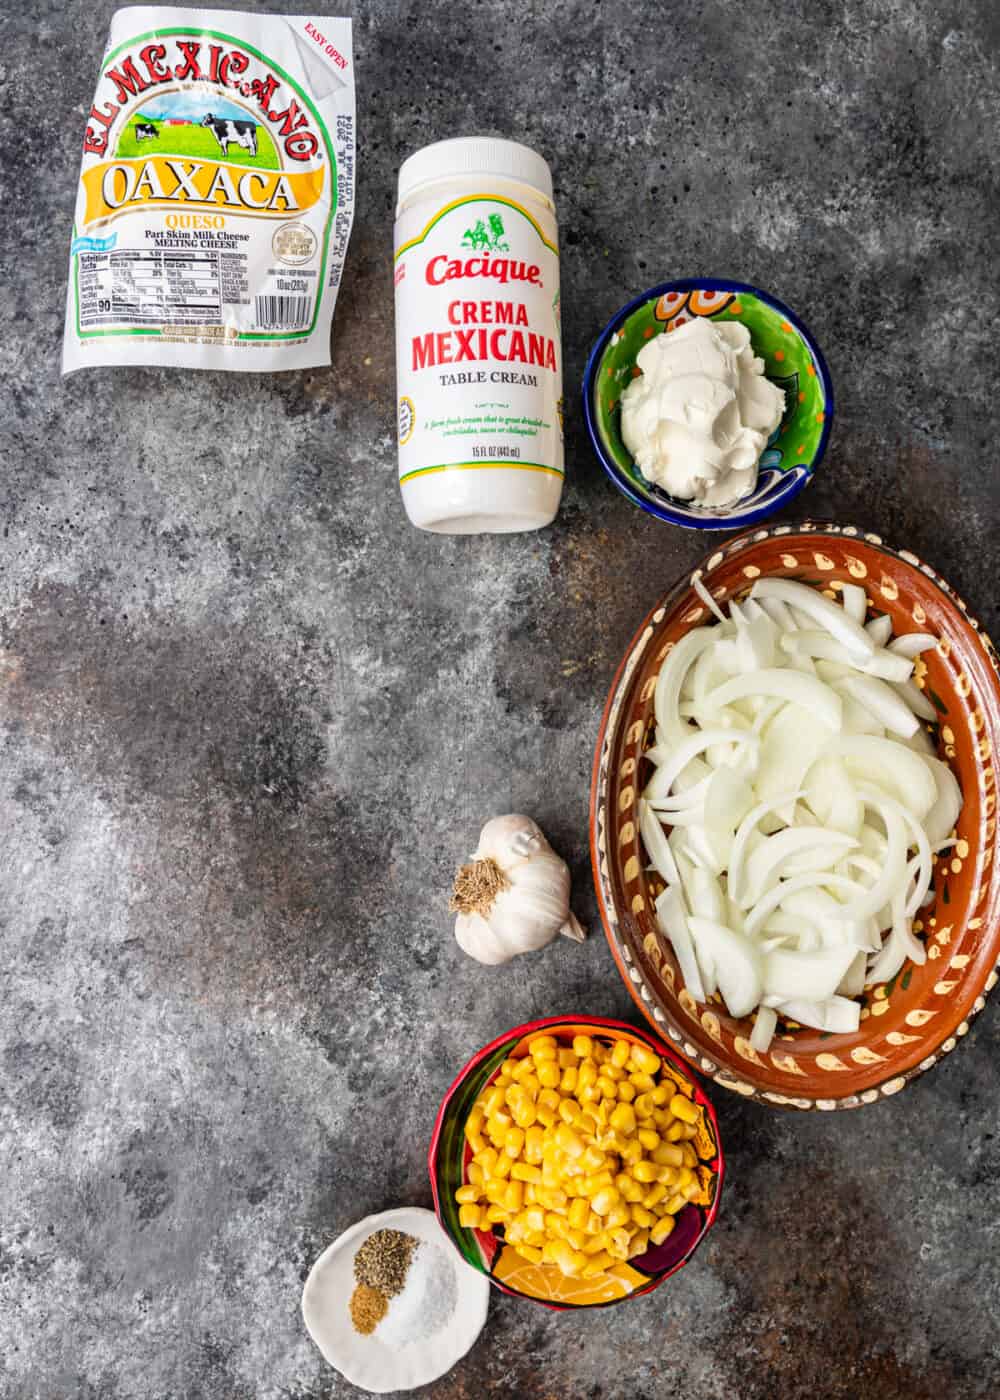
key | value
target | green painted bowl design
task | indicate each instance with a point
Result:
(792, 361)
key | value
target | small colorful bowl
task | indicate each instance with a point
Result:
(909, 1023)
(450, 1155)
(792, 361)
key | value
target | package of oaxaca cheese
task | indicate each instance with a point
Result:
(216, 192)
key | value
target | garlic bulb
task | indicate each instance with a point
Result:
(513, 897)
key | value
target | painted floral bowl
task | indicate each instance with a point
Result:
(450, 1155)
(792, 361)
(908, 1023)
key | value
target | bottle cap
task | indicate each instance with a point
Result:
(473, 156)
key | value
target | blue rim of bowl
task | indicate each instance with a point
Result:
(737, 519)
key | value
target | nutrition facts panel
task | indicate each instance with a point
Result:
(154, 286)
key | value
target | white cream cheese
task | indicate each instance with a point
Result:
(699, 415)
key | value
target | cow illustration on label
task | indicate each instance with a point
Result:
(228, 133)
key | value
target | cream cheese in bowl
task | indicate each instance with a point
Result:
(700, 412)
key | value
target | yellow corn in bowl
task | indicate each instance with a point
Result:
(576, 1162)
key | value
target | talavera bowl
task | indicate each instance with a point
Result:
(792, 361)
(544, 1283)
(920, 1015)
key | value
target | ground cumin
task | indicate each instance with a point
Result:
(368, 1307)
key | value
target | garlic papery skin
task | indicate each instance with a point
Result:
(513, 897)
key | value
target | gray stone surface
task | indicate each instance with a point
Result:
(250, 719)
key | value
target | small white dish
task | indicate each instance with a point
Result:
(365, 1361)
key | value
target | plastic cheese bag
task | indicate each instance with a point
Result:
(216, 192)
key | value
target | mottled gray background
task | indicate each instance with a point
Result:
(251, 719)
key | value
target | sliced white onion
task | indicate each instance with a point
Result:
(764, 1026)
(811, 602)
(737, 964)
(797, 689)
(855, 602)
(883, 702)
(804, 800)
(672, 919)
(880, 629)
(912, 644)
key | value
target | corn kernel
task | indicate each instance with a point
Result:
(583, 1046)
(567, 1058)
(676, 1203)
(529, 1193)
(645, 1059)
(552, 1198)
(467, 1195)
(643, 1217)
(626, 1091)
(545, 1116)
(600, 1052)
(619, 1214)
(494, 1190)
(661, 1229)
(568, 1261)
(654, 1195)
(622, 1118)
(617, 1242)
(533, 1141)
(598, 1264)
(645, 1171)
(524, 1171)
(513, 1198)
(474, 1173)
(668, 1155)
(508, 1067)
(631, 1151)
(527, 1251)
(586, 1075)
(525, 1114)
(643, 1082)
(548, 1074)
(612, 1072)
(643, 1104)
(620, 1052)
(496, 1215)
(543, 1047)
(578, 1212)
(594, 1225)
(649, 1139)
(470, 1216)
(523, 1068)
(595, 1242)
(474, 1122)
(663, 1092)
(675, 1132)
(569, 1140)
(477, 1142)
(666, 1175)
(597, 1182)
(589, 1095)
(492, 1100)
(603, 1200)
(607, 1087)
(592, 1159)
(638, 1244)
(487, 1159)
(684, 1109)
(567, 1082)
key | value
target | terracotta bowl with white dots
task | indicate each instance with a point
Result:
(909, 1023)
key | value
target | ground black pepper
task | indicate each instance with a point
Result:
(383, 1260)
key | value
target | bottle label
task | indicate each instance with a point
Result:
(478, 353)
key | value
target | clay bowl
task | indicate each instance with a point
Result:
(450, 1155)
(920, 1015)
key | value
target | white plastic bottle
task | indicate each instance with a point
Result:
(478, 353)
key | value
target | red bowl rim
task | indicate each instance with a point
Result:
(605, 1023)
